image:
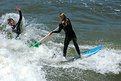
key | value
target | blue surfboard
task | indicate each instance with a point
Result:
(86, 53)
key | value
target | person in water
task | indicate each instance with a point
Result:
(16, 27)
(69, 33)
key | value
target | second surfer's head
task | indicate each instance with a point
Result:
(11, 22)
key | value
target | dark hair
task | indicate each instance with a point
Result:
(10, 20)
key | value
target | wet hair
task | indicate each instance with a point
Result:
(63, 16)
(64, 19)
(10, 20)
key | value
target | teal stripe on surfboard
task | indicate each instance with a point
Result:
(35, 45)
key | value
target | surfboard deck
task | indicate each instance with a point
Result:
(86, 53)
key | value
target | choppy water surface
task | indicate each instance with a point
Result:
(96, 22)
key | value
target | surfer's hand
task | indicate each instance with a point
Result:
(50, 33)
(18, 8)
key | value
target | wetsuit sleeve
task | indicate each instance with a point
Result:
(18, 30)
(20, 18)
(59, 29)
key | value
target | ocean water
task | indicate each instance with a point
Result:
(96, 22)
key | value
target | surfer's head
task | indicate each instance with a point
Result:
(10, 21)
(62, 17)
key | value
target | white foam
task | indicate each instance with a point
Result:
(20, 63)
(105, 61)
(16, 59)
(16, 63)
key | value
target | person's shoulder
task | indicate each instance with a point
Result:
(19, 10)
(60, 25)
(68, 19)
(13, 27)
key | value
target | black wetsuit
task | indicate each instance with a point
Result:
(16, 28)
(69, 35)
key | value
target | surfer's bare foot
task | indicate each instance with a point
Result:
(80, 55)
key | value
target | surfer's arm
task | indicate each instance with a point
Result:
(20, 15)
(19, 21)
(59, 29)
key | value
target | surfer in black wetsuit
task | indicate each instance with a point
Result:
(16, 27)
(69, 34)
